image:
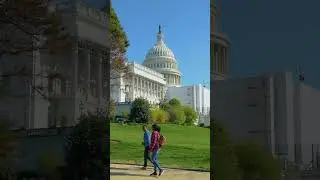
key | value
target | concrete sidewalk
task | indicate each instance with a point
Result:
(122, 172)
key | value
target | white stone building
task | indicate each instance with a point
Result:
(151, 79)
(158, 78)
(219, 48)
(196, 96)
(82, 85)
(275, 110)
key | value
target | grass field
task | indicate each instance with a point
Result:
(188, 147)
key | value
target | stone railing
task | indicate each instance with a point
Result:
(147, 70)
(43, 132)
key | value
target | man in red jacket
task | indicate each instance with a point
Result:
(154, 148)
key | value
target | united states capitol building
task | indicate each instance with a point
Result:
(42, 101)
(157, 79)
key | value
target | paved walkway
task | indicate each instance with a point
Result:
(122, 172)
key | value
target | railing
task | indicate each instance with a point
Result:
(42, 132)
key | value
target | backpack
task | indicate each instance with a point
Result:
(162, 140)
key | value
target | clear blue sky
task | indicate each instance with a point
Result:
(273, 35)
(186, 28)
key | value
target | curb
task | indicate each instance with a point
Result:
(185, 169)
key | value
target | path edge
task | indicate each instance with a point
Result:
(185, 169)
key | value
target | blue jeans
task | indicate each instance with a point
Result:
(154, 158)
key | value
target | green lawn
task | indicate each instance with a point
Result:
(188, 147)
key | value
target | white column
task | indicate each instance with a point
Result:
(227, 61)
(75, 63)
(88, 71)
(99, 78)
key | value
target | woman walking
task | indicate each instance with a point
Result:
(154, 148)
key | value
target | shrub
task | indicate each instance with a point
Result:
(256, 162)
(159, 115)
(140, 111)
(86, 150)
(48, 163)
(190, 115)
(176, 115)
(224, 161)
(175, 102)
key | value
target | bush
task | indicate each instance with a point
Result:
(140, 111)
(224, 161)
(176, 115)
(159, 115)
(256, 162)
(86, 150)
(48, 163)
(191, 115)
(175, 102)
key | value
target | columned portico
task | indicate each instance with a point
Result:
(219, 47)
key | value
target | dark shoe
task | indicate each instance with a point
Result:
(161, 172)
(143, 168)
(154, 174)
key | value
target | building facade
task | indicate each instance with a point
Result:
(41, 102)
(159, 78)
(275, 110)
(219, 46)
(195, 96)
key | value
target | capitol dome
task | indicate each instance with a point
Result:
(161, 59)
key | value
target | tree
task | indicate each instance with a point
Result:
(175, 102)
(86, 150)
(159, 115)
(112, 107)
(119, 45)
(190, 114)
(27, 27)
(8, 151)
(140, 111)
(224, 159)
(255, 162)
(176, 115)
(22, 21)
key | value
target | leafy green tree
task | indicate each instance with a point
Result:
(175, 102)
(140, 111)
(190, 114)
(8, 151)
(176, 115)
(165, 106)
(86, 150)
(159, 115)
(118, 46)
(112, 110)
(224, 159)
(256, 162)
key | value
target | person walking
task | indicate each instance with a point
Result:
(154, 148)
(146, 143)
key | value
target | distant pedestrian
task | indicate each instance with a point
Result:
(154, 148)
(146, 143)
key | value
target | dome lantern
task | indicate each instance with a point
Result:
(161, 59)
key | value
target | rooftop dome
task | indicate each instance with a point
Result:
(160, 49)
